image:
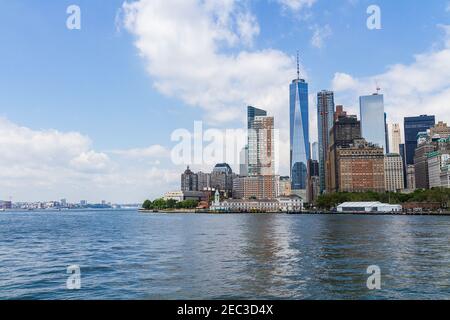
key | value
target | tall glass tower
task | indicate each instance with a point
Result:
(373, 124)
(414, 125)
(299, 133)
(325, 119)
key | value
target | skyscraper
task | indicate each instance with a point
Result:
(315, 151)
(396, 138)
(386, 134)
(373, 124)
(346, 129)
(250, 168)
(414, 125)
(253, 112)
(261, 160)
(299, 134)
(325, 119)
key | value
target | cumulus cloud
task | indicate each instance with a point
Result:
(297, 5)
(44, 164)
(410, 89)
(198, 52)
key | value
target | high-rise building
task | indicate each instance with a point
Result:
(261, 157)
(243, 162)
(414, 125)
(393, 172)
(189, 181)
(405, 166)
(204, 181)
(436, 162)
(445, 176)
(361, 167)
(424, 146)
(300, 151)
(346, 129)
(411, 177)
(325, 119)
(440, 130)
(222, 178)
(386, 134)
(396, 139)
(313, 181)
(252, 113)
(315, 151)
(373, 127)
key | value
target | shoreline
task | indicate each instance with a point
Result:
(324, 213)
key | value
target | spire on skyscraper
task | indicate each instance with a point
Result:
(298, 65)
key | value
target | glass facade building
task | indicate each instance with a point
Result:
(414, 125)
(373, 125)
(300, 151)
(325, 119)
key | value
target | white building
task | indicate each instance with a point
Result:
(396, 138)
(436, 162)
(369, 207)
(393, 172)
(284, 204)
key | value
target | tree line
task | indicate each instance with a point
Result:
(437, 195)
(161, 204)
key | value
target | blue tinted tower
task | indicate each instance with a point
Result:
(373, 124)
(299, 133)
(414, 125)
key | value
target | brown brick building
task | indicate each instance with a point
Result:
(360, 167)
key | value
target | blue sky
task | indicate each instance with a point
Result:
(106, 82)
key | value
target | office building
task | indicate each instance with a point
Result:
(405, 166)
(386, 134)
(411, 178)
(346, 129)
(373, 125)
(414, 125)
(189, 181)
(261, 157)
(325, 119)
(361, 167)
(313, 181)
(393, 172)
(299, 134)
(256, 187)
(222, 178)
(315, 151)
(284, 187)
(437, 160)
(396, 139)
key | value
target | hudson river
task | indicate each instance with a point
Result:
(127, 255)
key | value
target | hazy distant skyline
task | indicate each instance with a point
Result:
(88, 114)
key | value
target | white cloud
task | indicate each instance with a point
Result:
(410, 89)
(48, 165)
(297, 5)
(198, 52)
(320, 35)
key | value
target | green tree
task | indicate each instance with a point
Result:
(147, 205)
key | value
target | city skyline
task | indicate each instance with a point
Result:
(67, 144)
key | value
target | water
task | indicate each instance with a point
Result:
(127, 255)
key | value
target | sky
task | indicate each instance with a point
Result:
(91, 113)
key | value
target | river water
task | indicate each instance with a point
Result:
(128, 255)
